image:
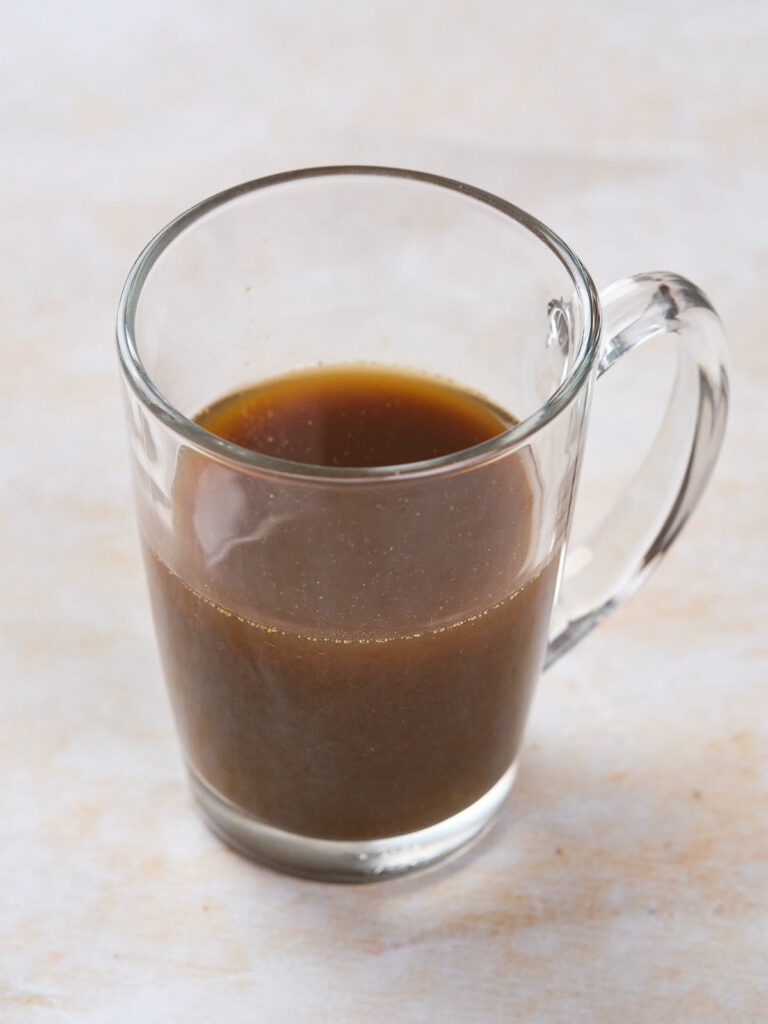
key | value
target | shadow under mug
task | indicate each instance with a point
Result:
(351, 653)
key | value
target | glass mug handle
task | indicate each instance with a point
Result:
(612, 561)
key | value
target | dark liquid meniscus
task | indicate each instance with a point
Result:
(355, 417)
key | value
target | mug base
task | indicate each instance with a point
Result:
(368, 860)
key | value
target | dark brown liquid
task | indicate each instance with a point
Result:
(362, 665)
(354, 416)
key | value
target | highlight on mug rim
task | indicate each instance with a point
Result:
(587, 345)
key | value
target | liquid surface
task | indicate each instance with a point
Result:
(354, 416)
(352, 662)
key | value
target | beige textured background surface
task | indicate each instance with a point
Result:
(628, 877)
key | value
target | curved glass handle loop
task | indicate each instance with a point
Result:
(617, 556)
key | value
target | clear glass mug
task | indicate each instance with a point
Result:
(350, 654)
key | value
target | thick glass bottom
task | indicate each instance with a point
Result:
(329, 860)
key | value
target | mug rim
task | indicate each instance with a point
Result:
(248, 460)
